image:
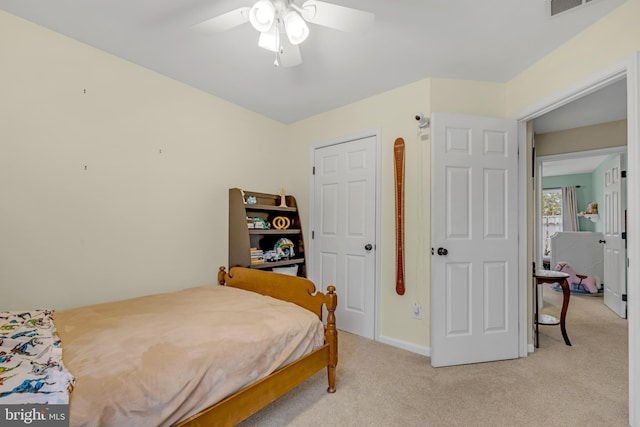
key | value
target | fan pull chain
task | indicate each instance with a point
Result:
(276, 63)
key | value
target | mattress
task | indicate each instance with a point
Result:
(158, 359)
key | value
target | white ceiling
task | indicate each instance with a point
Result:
(572, 166)
(488, 40)
(605, 105)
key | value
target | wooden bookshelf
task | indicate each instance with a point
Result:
(266, 207)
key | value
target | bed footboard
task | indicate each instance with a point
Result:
(302, 292)
(297, 290)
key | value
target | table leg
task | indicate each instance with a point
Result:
(566, 293)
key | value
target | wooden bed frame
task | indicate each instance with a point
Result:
(251, 399)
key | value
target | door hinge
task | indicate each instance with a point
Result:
(313, 234)
(623, 174)
(624, 235)
(533, 266)
(533, 162)
(624, 297)
(313, 170)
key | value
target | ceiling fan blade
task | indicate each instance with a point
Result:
(223, 22)
(337, 17)
(289, 55)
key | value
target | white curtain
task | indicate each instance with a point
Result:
(569, 209)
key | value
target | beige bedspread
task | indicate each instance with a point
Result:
(156, 360)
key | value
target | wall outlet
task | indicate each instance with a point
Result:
(417, 311)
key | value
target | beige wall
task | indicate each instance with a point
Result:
(603, 44)
(149, 212)
(392, 114)
(604, 135)
(468, 97)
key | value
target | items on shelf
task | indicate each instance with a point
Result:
(281, 222)
(591, 213)
(258, 223)
(271, 256)
(265, 231)
(284, 248)
(257, 256)
(283, 194)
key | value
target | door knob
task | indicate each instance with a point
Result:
(368, 247)
(602, 241)
(442, 251)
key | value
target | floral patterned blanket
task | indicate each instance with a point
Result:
(31, 369)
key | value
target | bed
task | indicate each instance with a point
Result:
(204, 356)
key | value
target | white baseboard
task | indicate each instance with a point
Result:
(425, 351)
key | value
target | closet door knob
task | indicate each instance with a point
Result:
(442, 251)
(368, 247)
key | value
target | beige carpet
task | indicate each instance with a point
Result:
(557, 385)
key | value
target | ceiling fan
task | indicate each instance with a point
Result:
(283, 24)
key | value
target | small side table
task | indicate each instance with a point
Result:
(551, 276)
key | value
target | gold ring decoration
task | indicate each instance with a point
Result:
(281, 222)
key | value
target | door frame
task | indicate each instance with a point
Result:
(629, 67)
(375, 133)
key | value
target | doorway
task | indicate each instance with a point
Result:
(629, 68)
(572, 144)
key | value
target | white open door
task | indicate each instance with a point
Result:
(474, 286)
(344, 225)
(615, 277)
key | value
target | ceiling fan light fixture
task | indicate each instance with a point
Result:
(270, 40)
(308, 11)
(283, 24)
(296, 28)
(262, 15)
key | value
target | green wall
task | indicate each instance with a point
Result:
(584, 195)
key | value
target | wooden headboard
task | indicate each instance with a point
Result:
(297, 290)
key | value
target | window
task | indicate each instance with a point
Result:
(551, 217)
